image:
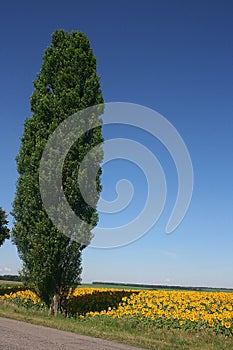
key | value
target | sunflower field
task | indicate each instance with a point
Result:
(188, 310)
(21, 296)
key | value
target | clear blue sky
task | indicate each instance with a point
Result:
(175, 57)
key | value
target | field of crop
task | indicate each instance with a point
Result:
(9, 283)
(186, 310)
(176, 309)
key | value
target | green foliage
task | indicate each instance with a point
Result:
(66, 83)
(4, 231)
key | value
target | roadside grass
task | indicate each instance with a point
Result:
(124, 331)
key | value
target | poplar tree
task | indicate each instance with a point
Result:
(67, 83)
(4, 231)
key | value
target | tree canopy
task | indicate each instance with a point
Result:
(67, 83)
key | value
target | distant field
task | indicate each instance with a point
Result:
(154, 287)
(9, 283)
(132, 286)
(118, 286)
(87, 285)
(13, 283)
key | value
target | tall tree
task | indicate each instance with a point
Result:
(4, 231)
(66, 84)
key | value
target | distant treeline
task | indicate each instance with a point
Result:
(12, 278)
(155, 286)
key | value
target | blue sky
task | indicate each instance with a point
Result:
(175, 57)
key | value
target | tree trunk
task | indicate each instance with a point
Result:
(56, 303)
(54, 307)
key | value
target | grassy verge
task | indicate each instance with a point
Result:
(125, 331)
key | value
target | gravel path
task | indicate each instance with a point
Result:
(17, 335)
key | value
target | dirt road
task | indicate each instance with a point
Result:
(16, 335)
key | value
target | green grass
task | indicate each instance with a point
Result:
(125, 331)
